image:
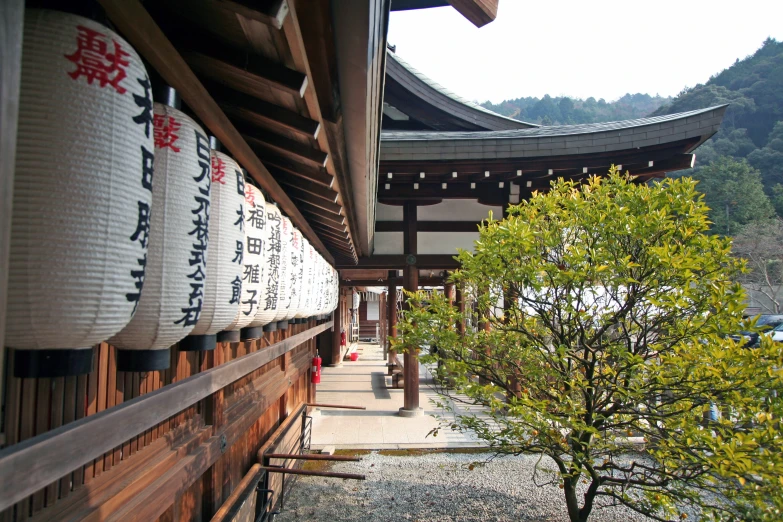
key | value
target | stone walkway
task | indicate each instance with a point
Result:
(365, 383)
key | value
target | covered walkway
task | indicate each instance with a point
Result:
(365, 383)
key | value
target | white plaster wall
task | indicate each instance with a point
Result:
(388, 243)
(445, 242)
(388, 212)
(457, 210)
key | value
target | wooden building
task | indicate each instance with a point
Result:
(297, 92)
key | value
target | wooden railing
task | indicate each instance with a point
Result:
(118, 446)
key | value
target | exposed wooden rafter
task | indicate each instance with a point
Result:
(313, 200)
(315, 174)
(130, 17)
(397, 261)
(479, 12)
(261, 113)
(269, 141)
(245, 71)
(326, 138)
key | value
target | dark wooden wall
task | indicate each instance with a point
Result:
(179, 469)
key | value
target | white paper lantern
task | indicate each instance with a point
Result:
(223, 285)
(269, 301)
(295, 274)
(82, 191)
(173, 295)
(253, 262)
(321, 297)
(284, 298)
(307, 275)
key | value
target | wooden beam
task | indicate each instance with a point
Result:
(312, 473)
(315, 174)
(43, 459)
(269, 12)
(11, 27)
(264, 142)
(334, 225)
(310, 211)
(333, 236)
(261, 113)
(130, 17)
(316, 201)
(397, 261)
(246, 72)
(397, 281)
(316, 189)
(315, 24)
(328, 140)
(426, 191)
(322, 229)
(429, 226)
(479, 12)
(409, 5)
(441, 170)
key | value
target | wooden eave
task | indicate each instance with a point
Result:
(261, 77)
(479, 12)
(423, 99)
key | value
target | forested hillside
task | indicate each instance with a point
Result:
(569, 111)
(751, 134)
(745, 157)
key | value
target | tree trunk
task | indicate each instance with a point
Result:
(575, 513)
(569, 488)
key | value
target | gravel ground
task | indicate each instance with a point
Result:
(436, 487)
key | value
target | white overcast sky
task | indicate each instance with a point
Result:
(582, 48)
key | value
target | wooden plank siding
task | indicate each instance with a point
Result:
(174, 469)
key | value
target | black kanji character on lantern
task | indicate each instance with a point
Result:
(252, 274)
(201, 223)
(202, 151)
(241, 219)
(238, 253)
(191, 315)
(240, 182)
(192, 312)
(143, 225)
(236, 290)
(138, 275)
(145, 102)
(198, 274)
(254, 245)
(252, 302)
(256, 218)
(147, 168)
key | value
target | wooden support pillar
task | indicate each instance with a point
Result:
(508, 298)
(11, 23)
(448, 291)
(391, 311)
(411, 284)
(461, 305)
(336, 359)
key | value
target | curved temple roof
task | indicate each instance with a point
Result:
(421, 98)
(696, 126)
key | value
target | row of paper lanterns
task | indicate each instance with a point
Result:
(128, 227)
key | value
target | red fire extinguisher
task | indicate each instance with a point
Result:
(343, 340)
(315, 375)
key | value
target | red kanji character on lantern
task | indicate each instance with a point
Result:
(94, 61)
(165, 131)
(250, 198)
(218, 170)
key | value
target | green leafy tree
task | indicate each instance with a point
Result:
(617, 303)
(734, 194)
(761, 244)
